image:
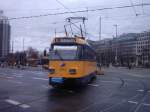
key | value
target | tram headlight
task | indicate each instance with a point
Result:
(72, 71)
(51, 71)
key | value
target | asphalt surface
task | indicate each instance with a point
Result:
(119, 90)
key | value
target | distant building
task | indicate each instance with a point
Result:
(4, 35)
(104, 50)
(130, 48)
(124, 49)
(143, 48)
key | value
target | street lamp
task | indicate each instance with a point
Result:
(116, 54)
(116, 27)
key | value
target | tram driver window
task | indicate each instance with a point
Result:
(88, 53)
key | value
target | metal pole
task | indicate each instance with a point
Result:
(84, 26)
(66, 31)
(116, 57)
(100, 28)
(71, 30)
(81, 31)
(55, 32)
(116, 26)
(12, 46)
(23, 44)
(136, 54)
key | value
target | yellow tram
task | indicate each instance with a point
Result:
(71, 61)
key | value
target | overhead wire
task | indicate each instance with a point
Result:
(78, 11)
(83, 31)
(68, 10)
(142, 7)
(87, 13)
(70, 21)
(133, 7)
(62, 5)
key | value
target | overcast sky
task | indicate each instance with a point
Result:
(38, 32)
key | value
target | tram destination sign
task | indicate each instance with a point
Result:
(65, 40)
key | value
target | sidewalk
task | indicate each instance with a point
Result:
(38, 68)
(138, 72)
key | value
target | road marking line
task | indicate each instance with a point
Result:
(146, 104)
(117, 82)
(133, 102)
(140, 90)
(3, 77)
(45, 86)
(25, 106)
(70, 91)
(39, 78)
(95, 85)
(17, 82)
(12, 102)
(15, 73)
(39, 73)
(17, 76)
(20, 74)
(9, 77)
(35, 72)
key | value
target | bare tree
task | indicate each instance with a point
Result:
(32, 53)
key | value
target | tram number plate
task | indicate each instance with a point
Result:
(57, 80)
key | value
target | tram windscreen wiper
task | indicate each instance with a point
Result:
(58, 54)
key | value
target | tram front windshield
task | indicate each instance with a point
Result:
(61, 52)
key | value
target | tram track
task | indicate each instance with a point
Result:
(145, 94)
(135, 109)
(139, 104)
(36, 99)
(120, 86)
(111, 94)
(42, 97)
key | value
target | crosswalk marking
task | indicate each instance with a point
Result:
(40, 78)
(13, 102)
(25, 106)
(96, 85)
(134, 102)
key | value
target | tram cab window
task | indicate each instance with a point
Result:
(88, 53)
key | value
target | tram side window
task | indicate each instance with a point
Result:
(88, 53)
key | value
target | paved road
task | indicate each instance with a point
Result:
(119, 90)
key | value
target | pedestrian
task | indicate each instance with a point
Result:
(129, 66)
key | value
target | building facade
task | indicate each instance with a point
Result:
(131, 48)
(4, 35)
(143, 49)
(104, 50)
(124, 49)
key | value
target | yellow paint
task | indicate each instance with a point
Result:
(83, 68)
(80, 41)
